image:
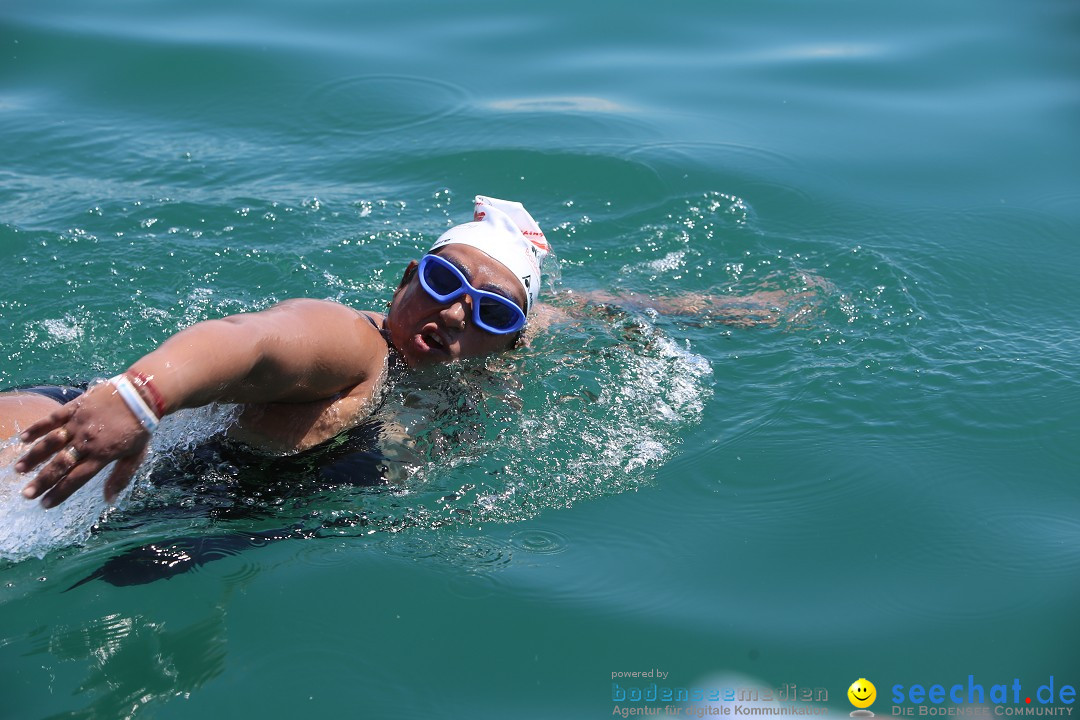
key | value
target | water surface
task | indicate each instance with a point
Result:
(880, 486)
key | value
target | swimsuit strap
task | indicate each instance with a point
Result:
(371, 320)
(394, 356)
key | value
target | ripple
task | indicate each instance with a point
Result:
(820, 52)
(558, 173)
(1041, 542)
(980, 564)
(379, 103)
(326, 553)
(412, 545)
(1065, 203)
(478, 554)
(539, 542)
(706, 152)
(731, 472)
(752, 170)
(951, 602)
(473, 554)
(472, 586)
(248, 570)
(1013, 224)
(559, 104)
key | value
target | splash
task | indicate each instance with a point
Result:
(607, 398)
(605, 403)
(27, 530)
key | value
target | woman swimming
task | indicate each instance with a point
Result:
(305, 369)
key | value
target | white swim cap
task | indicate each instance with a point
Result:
(507, 232)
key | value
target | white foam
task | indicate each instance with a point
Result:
(671, 261)
(648, 389)
(28, 530)
(64, 330)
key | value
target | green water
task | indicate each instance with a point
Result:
(882, 485)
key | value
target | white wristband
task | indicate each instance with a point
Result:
(135, 403)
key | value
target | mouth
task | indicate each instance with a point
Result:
(431, 339)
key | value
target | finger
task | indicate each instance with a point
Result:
(43, 449)
(50, 475)
(121, 475)
(71, 482)
(50, 422)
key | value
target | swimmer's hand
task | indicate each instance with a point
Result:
(76, 441)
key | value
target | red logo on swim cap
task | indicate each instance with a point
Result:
(537, 239)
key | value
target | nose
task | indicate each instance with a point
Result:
(454, 314)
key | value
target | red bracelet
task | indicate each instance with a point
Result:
(144, 381)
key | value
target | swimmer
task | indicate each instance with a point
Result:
(306, 370)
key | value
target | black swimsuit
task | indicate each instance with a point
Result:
(60, 393)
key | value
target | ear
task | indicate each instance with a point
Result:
(410, 270)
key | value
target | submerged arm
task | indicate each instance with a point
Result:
(760, 308)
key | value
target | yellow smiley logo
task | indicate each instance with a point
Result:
(862, 693)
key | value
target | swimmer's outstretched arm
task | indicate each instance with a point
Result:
(763, 308)
(298, 351)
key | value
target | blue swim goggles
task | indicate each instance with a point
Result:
(444, 282)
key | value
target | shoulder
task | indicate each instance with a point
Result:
(307, 306)
(318, 315)
(326, 334)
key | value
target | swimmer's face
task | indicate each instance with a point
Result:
(862, 693)
(426, 331)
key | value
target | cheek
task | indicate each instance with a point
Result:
(409, 303)
(399, 316)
